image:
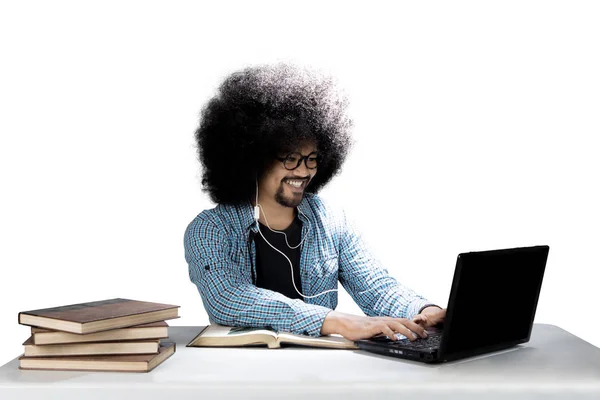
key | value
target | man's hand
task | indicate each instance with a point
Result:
(430, 316)
(354, 327)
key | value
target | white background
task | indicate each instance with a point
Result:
(475, 128)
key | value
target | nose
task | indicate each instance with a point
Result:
(302, 171)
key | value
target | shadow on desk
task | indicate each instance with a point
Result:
(506, 357)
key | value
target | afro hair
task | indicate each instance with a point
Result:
(262, 111)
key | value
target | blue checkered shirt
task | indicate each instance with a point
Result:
(221, 255)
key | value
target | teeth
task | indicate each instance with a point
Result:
(294, 183)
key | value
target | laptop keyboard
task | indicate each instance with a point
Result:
(420, 343)
(430, 341)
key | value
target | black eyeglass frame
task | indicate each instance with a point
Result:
(300, 159)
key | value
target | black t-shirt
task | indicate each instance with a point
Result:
(272, 269)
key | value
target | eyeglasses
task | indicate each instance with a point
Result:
(293, 160)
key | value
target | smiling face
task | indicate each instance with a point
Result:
(285, 186)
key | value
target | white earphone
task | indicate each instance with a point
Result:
(257, 210)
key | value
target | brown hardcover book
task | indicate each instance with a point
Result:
(98, 315)
(87, 349)
(225, 336)
(154, 330)
(118, 363)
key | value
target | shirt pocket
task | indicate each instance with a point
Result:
(326, 268)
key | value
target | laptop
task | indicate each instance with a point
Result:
(492, 306)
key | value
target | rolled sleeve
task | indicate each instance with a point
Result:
(308, 319)
(416, 306)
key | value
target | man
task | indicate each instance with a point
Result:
(271, 252)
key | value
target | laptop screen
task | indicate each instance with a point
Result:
(495, 297)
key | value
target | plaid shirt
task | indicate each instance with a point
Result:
(221, 255)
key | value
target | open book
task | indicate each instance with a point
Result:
(226, 336)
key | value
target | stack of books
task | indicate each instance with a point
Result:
(109, 335)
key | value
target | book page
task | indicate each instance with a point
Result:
(228, 331)
(218, 335)
(330, 341)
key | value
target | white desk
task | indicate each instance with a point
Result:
(554, 364)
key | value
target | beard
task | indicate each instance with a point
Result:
(292, 201)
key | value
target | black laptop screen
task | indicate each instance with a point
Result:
(495, 298)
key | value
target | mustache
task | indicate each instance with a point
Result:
(296, 179)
